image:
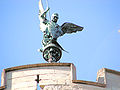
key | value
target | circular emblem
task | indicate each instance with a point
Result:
(52, 53)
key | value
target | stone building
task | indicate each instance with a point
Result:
(56, 76)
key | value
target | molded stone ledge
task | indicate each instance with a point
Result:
(112, 71)
(36, 65)
(89, 83)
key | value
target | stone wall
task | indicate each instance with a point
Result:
(56, 76)
(110, 77)
(25, 78)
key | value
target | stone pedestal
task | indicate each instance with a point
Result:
(23, 77)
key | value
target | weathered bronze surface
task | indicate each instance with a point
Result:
(51, 50)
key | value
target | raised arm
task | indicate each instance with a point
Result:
(43, 15)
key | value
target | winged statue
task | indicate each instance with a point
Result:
(51, 32)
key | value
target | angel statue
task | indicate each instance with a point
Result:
(51, 50)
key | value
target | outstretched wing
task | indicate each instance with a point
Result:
(41, 9)
(70, 28)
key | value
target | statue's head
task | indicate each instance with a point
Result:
(54, 17)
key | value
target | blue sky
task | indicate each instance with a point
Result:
(97, 46)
